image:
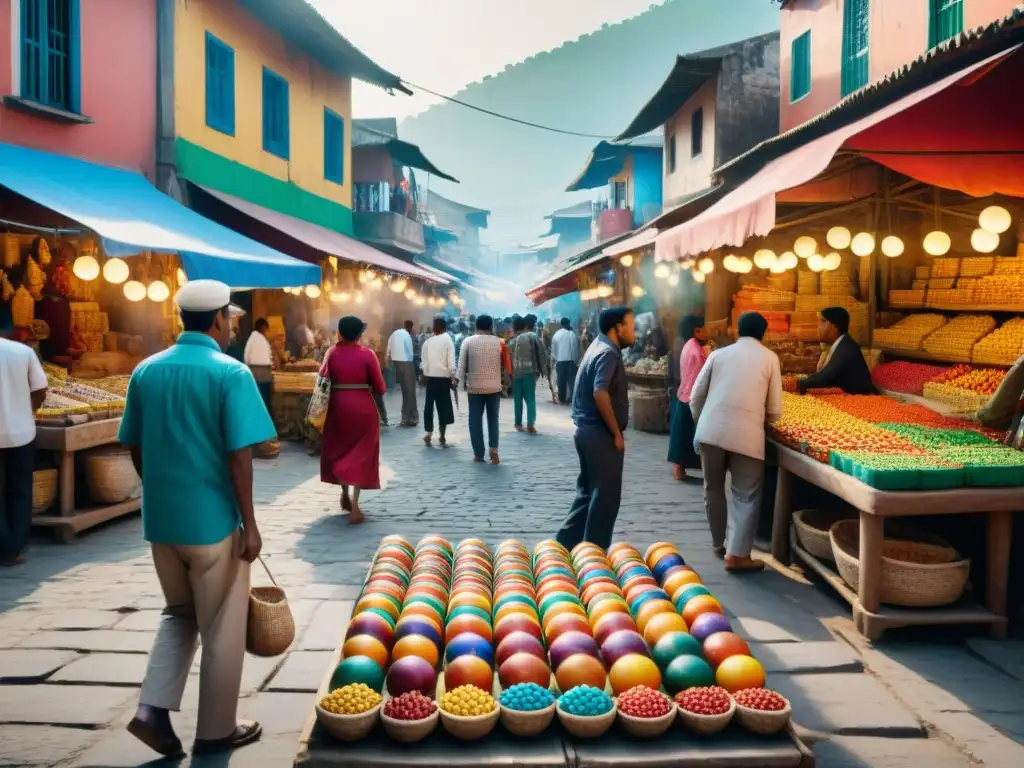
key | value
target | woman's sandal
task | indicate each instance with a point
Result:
(246, 732)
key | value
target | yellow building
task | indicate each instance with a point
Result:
(255, 103)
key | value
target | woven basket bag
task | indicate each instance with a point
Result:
(271, 628)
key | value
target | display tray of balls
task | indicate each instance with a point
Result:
(527, 709)
(410, 717)
(706, 709)
(349, 713)
(586, 712)
(762, 711)
(468, 712)
(645, 712)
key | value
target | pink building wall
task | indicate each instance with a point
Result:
(118, 88)
(898, 35)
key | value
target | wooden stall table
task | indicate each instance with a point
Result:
(875, 506)
(67, 441)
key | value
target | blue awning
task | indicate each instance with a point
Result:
(131, 215)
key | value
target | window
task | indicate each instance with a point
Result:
(946, 20)
(800, 67)
(275, 114)
(619, 195)
(697, 133)
(855, 45)
(220, 86)
(672, 153)
(49, 53)
(334, 146)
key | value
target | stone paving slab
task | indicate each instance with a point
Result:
(860, 751)
(980, 740)
(327, 626)
(31, 666)
(140, 621)
(108, 668)
(110, 640)
(54, 705)
(760, 631)
(302, 671)
(847, 704)
(82, 619)
(807, 658)
(1007, 655)
(32, 746)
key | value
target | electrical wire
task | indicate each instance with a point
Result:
(507, 117)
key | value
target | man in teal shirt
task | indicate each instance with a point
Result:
(191, 417)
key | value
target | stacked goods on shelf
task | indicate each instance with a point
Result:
(89, 325)
(1001, 347)
(837, 283)
(778, 322)
(755, 298)
(807, 282)
(297, 383)
(803, 326)
(785, 282)
(944, 268)
(910, 332)
(1009, 266)
(908, 378)
(69, 397)
(817, 303)
(907, 299)
(964, 389)
(797, 356)
(977, 266)
(955, 340)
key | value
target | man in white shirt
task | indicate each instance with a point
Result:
(739, 389)
(565, 348)
(400, 353)
(259, 356)
(438, 361)
(22, 392)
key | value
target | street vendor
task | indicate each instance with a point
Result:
(999, 412)
(259, 356)
(844, 366)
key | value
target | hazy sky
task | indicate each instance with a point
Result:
(445, 44)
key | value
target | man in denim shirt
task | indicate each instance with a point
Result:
(600, 410)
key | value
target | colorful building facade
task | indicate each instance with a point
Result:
(66, 88)
(832, 48)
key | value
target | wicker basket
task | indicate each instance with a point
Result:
(110, 475)
(915, 574)
(270, 629)
(586, 727)
(812, 526)
(707, 725)
(410, 731)
(521, 723)
(44, 490)
(763, 722)
(470, 728)
(647, 727)
(348, 727)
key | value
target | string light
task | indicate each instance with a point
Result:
(627, 260)
(707, 266)
(313, 291)
(937, 243)
(838, 237)
(892, 246)
(788, 260)
(764, 258)
(863, 244)
(995, 219)
(805, 247)
(158, 291)
(984, 241)
(86, 268)
(134, 290)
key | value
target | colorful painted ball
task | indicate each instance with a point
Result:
(527, 697)
(611, 623)
(682, 596)
(639, 600)
(418, 625)
(523, 668)
(468, 670)
(580, 669)
(571, 644)
(371, 624)
(632, 670)
(436, 605)
(380, 602)
(687, 671)
(598, 609)
(559, 609)
(661, 625)
(566, 622)
(468, 623)
(416, 645)
(471, 610)
(650, 609)
(516, 622)
(469, 644)
(722, 645)
(379, 612)
(661, 567)
(625, 642)
(358, 669)
(366, 645)
(708, 624)
(673, 645)
(739, 672)
(676, 580)
(411, 673)
(519, 642)
(585, 701)
(699, 605)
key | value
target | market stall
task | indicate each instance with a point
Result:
(464, 656)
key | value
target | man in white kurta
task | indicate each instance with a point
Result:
(738, 391)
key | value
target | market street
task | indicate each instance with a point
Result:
(77, 621)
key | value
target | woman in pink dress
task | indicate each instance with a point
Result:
(681, 427)
(350, 456)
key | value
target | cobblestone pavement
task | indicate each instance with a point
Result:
(76, 621)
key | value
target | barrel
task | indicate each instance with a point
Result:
(648, 410)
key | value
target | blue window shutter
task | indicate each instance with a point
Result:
(51, 53)
(800, 67)
(334, 146)
(75, 55)
(33, 24)
(945, 20)
(856, 42)
(276, 127)
(285, 114)
(220, 86)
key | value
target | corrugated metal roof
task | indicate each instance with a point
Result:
(581, 210)
(301, 25)
(606, 160)
(451, 215)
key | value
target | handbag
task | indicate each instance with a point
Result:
(270, 628)
(316, 411)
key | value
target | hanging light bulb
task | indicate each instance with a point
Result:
(699, 276)
(707, 266)
(158, 291)
(788, 260)
(995, 219)
(745, 266)
(832, 262)
(627, 260)
(115, 271)
(816, 262)
(333, 261)
(410, 294)
(661, 271)
(418, 300)
(358, 297)
(604, 291)
(86, 268)
(377, 284)
(729, 263)
(181, 276)
(638, 291)
(984, 241)
(313, 291)
(134, 290)
(892, 246)
(805, 246)
(937, 243)
(838, 237)
(863, 244)
(764, 258)
(777, 268)
(398, 286)
(673, 280)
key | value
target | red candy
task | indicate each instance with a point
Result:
(641, 701)
(410, 706)
(906, 377)
(710, 700)
(760, 698)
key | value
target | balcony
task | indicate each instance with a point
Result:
(614, 221)
(379, 218)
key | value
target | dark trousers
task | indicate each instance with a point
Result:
(438, 397)
(266, 389)
(565, 373)
(406, 373)
(16, 465)
(477, 405)
(598, 490)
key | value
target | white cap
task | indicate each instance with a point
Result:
(206, 296)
